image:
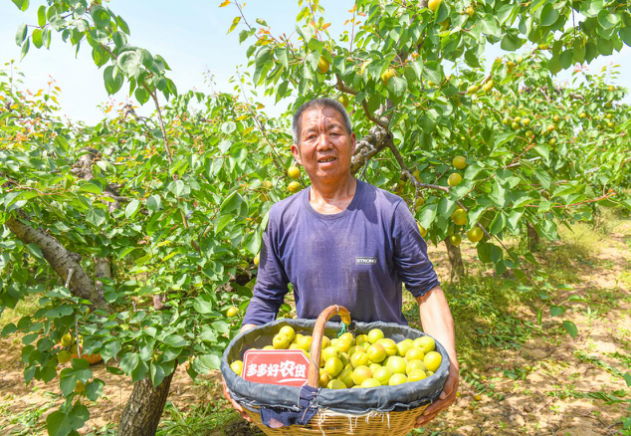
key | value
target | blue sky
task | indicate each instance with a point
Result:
(192, 38)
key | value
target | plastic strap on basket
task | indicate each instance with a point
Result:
(344, 329)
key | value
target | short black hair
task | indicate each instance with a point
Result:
(319, 103)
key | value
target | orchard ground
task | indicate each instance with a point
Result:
(519, 376)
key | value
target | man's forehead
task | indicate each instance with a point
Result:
(321, 115)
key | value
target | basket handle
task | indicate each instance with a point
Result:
(316, 339)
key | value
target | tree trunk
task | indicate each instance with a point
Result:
(455, 259)
(144, 408)
(533, 238)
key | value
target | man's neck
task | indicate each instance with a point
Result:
(332, 198)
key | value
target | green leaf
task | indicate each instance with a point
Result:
(511, 42)
(41, 16)
(132, 208)
(228, 127)
(625, 35)
(566, 59)
(472, 59)
(91, 187)
(605, 46)
(498, 224)
(627, 379)
(61, 424)
(253, 242)
(176, 341)
(129, 362)
(21, 4)
(96, 217)
(94, 389)
(235, 23)
(100, 56)
(208, 334)
(20, 35)
(557, 310)
(554, 65)
(549, 16)
(100, 16)
(203, 305)
(110, 350)
(8, 330)
(140, 372)
(113, 79)
(203, 364)
(142, 95)
(544, 178)
(35, 251)
(222, 222)
(46, 37)
(122, 24)
(282, 54)
(428, 215)
(25, 48)
(154, 203)
(232, 202)
(37, 38)
(571, 328)
(129, 62)
(397, 86)
(158, 371)
(490, 26)
(608, 20)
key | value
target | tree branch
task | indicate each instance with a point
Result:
(63, 261)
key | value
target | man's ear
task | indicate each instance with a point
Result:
(353, 143)
(295, 150)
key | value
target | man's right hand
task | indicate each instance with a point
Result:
(236, 405)
(226, 394)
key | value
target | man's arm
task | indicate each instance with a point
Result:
(437, 322)
(271, 282)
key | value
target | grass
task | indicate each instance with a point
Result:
(26, 422)
(486, 316)
(210, 419)
(27, 306)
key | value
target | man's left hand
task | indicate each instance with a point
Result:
(447, 396)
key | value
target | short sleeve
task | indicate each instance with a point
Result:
(410, 253)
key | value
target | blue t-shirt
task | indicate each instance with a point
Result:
(357, 258)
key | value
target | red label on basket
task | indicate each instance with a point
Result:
(276, 367)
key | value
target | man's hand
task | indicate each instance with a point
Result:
(447, 396)
(236, 405)
(226, 394)
(438, 322)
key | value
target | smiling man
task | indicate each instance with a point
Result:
(343, 241)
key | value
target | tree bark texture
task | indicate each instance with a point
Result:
(102, 268)
(83, 169)
(457, 273)
(60, 259)
(533, 238)
(369, 146)
(144, 408)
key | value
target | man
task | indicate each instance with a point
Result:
(343, 241)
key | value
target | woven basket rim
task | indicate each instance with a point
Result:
(287, 397)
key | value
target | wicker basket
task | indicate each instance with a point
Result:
(327, 422)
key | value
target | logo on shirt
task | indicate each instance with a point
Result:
(366, 260)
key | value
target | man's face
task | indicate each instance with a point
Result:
(326, 147)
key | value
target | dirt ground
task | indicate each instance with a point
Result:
(552, 385)
(549, 387)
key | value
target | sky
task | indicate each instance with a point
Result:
(192, 39)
